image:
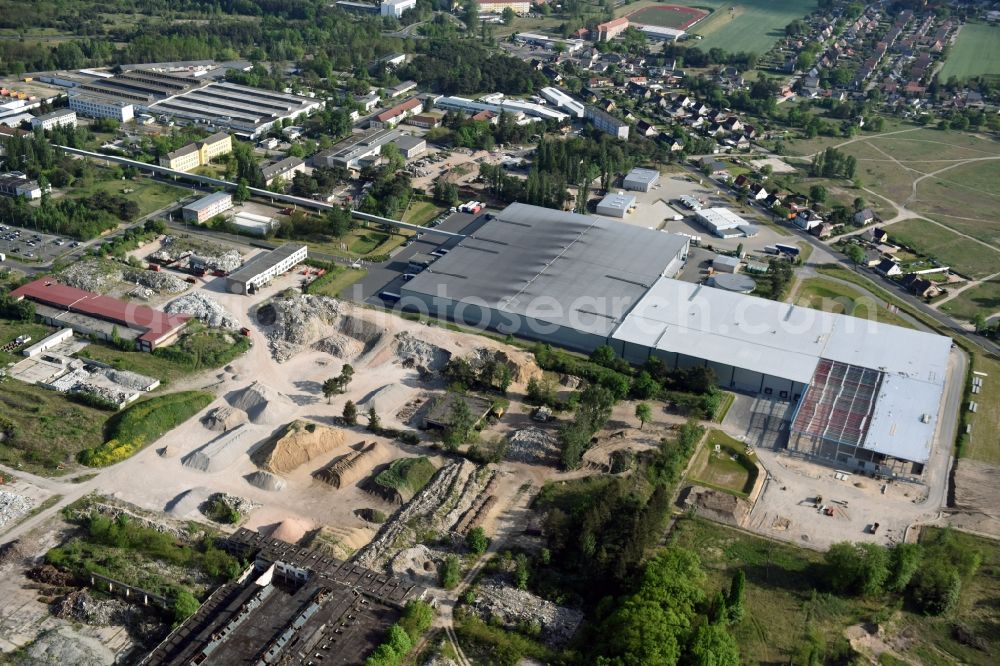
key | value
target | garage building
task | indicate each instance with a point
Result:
(616, 204)
(641, 180)
(263, 268)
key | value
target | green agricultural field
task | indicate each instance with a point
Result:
(964, 255)
(983, 299)
(976, 52)
(753, 25)
(828, 295)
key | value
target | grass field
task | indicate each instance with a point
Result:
(730, 470)
(754, 25)
(49, 430)
(976, 52)
(982, 299)
(336, 280)
(11, 330)
(149, 194)
(666, 16)
(982, 443)
(783, 605)
(421, 212)
(965, 256)
(828, 295)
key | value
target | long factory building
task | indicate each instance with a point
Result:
(250, 112)
(863, 395)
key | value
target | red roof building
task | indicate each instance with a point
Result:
(608, 31)
(391, 117)
(154, 327)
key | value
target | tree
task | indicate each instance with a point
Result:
(461, 423)
(477, 541)
(937, 587)
(508, 16)
(856, 254)
(374, 422)
(644, 413)
(522, 571)
(331, 387)
(905, 560)
(980, 323)
(734, 600)
(350, 413)
(857, 568)
(713, 645)
(859, 204)
(817, 194)
(185, 605)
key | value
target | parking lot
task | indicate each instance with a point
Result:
(388, 276)
(22, 243)
(657, 209)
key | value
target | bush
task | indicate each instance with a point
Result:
(477, 541)
(451, 572)
(220, 511)
(184, 606)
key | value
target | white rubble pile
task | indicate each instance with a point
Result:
(157, 281)
(101, 276)
(242, 505)
(205, 309)
(227, 261)
(214, 256)
(12, 507)
(128, 379)
(416, 353)
(510, 606)
(533, 446)
(113, 395)
(298, 321)
(63, 645)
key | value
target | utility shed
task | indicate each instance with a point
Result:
(547, 275)
(641, 180)
(616, 204)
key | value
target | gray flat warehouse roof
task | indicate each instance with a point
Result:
(263, 262)
(576, 271)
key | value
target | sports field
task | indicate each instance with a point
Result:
(668, 16)
(976, 52)
(748, 25)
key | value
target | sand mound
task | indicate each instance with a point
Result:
(263, 405)
(223, 451)
(339, 542)
(265, 481)
(291, 530)
(354, 337)
(416, 353)
(298, 443)
(342, 471)
(386, 400)
(224, 418)
(716, 505)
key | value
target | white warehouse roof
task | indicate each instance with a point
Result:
(720, 219)
(788, 341)
(562, 100)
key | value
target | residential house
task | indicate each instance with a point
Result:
(863, 217)
(888, 268)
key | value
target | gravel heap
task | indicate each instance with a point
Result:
(416, 353)
(534, 446)
(262, 404)
(204, 308)
(265, 480)
(298, 321)
(13, 507)
(511, 607)
(224, 418)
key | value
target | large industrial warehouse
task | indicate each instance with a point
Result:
(865, 395)
(546, 274)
